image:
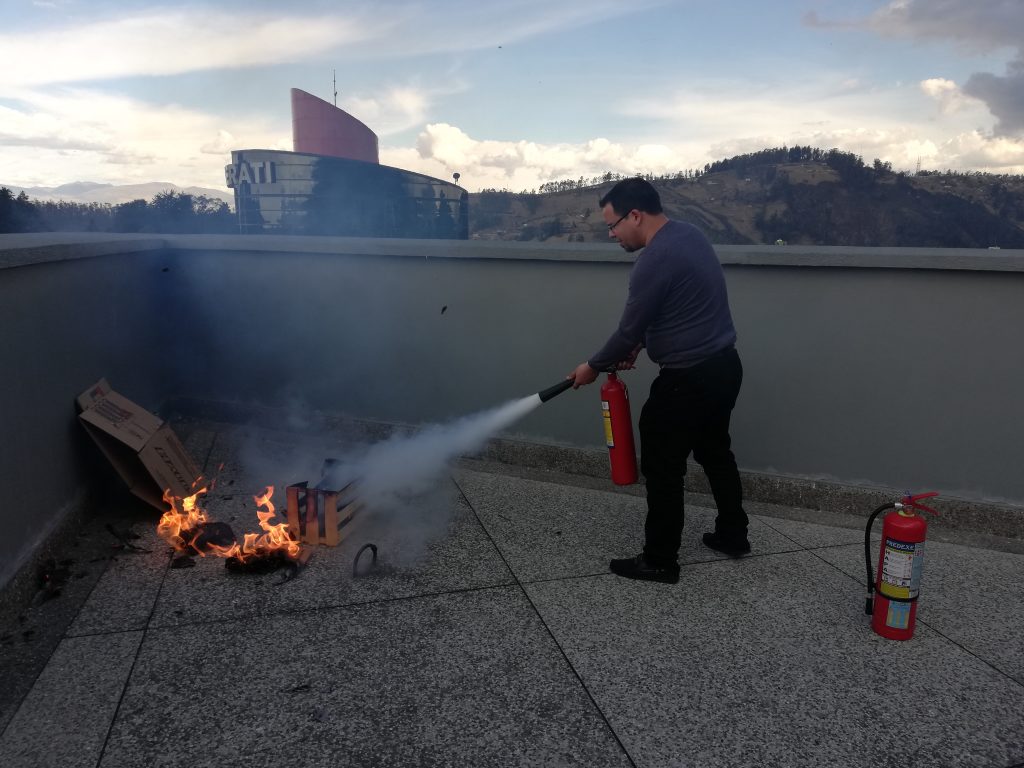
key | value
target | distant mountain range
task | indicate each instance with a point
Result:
(113, 194)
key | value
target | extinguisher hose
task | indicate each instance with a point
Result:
(869, 602)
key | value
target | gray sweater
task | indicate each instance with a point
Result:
(677, 306)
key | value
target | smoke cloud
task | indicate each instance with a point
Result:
(400, 468)
(399, 480)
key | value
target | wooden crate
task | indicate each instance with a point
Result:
(319, 515)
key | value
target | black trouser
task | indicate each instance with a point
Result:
(688, 411)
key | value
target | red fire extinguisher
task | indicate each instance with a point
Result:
(618, 430)
(893, 610)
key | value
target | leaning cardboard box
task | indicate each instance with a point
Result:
(143, 449)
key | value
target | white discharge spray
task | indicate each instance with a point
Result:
(405, 466)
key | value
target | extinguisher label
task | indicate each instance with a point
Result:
(901, 569)
(609, 438)
(898, 616)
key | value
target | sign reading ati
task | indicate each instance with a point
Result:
(253, 173)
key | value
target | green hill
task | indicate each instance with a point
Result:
(799, 195)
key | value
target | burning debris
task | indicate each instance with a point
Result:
(187, 528)
(314, 516)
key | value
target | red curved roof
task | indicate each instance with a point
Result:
(321, 128)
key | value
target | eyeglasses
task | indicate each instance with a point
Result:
(611, 227)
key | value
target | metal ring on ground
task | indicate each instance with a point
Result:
(355, 563)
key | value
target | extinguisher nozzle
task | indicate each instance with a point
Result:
(559, 388)
(869, 605)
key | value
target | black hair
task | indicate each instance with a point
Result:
(632, 194)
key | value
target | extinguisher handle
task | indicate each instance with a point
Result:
(914, 501)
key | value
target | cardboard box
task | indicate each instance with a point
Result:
(143, 449)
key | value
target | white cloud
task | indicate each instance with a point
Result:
(977, 151)
(83, 134)
(168, 42)
(51, 134)
(221, 145)
(419, 29)
(973, 26)
(443, 149)
(947, 94)
(396, 109)
(34, 128)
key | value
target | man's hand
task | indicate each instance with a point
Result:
(630, 362)
(583, 375)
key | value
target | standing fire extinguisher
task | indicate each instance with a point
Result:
(893, 610)
(618, 430)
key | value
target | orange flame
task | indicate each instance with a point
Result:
(179, 527)
(184, 516)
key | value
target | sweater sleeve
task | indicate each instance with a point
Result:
(648, 286)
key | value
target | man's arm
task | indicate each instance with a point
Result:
(648, 285)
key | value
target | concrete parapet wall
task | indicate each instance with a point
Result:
(882, 367)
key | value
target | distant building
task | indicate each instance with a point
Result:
(333, 184)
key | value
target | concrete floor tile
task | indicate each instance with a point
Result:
(974, 597)
(64, 720)
(468, 679)
(548, 531)
(771, 661)
(124, 597)
(437, 547)
(813, 535)
(29, 636)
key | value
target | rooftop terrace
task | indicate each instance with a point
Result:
(490, 632)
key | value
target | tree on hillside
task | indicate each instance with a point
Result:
(62, 216)
(171, 212)
(8, 222)
(16, 213)
(168, 212)
(129, 217)
(212, 216)
(180, 212)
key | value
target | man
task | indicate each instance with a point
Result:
(679, 310)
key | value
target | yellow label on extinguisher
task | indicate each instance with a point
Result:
(609, 438)
(902, 563)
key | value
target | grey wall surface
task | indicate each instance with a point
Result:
(877, 367)
(879, 375)
(905, 378)
(64, 325)
(396, 338)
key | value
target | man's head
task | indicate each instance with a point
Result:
(632, 210)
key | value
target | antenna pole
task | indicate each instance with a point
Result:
(335, 86)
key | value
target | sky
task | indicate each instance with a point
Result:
(510, 94)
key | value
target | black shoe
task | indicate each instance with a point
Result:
(731, 547)
(639, 568)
